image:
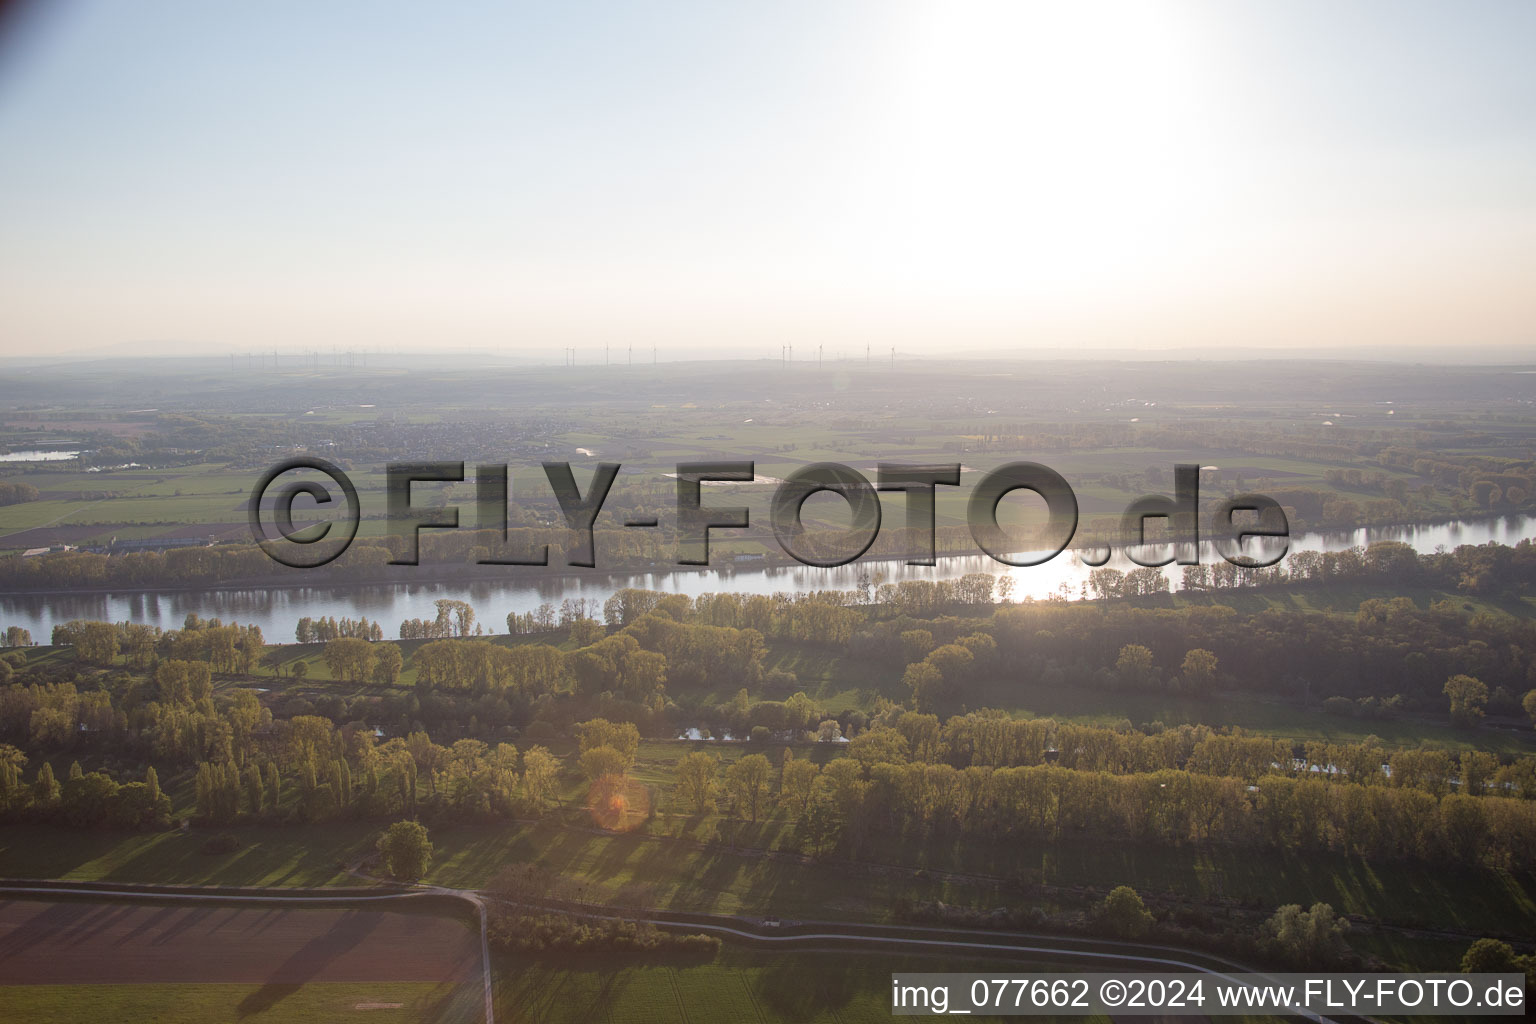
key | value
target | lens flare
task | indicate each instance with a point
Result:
(618, 803)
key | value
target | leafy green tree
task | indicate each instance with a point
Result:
(983, 649)
(1107, 582)
(406, 850)
(349, 658)
(274, 786)
(1124, 912)
(1489, 956)
(749, 781)
(599, 732)
(1468, 696)
(134, 806)
(440, 665)
(183, 682)
(251, 646)
(929, 689)
(12, 793)
(600, 761)
(916, 644)
(1529, 704)
(797, 781)
(218, 791)
(737, 709)
(88, 799)
(953, 662)
(541, 770)
(1199, 670)
(1135, 668)
(618, 664)
(881, 745)
(251, 779)
(1308, 938)
(52, 727)
(45, 788)
(387, 663)
(585, 632)
(456, 618)
(96, 642)
(820, 824)
(694, 780)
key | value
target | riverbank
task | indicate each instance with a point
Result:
(413, 591)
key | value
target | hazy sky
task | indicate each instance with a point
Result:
(939, 177)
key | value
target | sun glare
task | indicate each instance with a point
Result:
(1049, 143)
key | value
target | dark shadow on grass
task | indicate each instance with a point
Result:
(801, 991)
(52, 851)
(308, 961)
(268, 855)
(578, 987)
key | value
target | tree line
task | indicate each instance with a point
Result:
(852, 802)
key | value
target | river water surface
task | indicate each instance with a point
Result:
(276, 611)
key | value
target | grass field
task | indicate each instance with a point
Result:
(729, 880)
(615, 418)
(272, 855)
(740, 987)
(735, 874)
(314, 1003)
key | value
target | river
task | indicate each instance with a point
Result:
(276, 611)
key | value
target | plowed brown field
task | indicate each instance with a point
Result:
(45, 943)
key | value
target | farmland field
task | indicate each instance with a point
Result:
(741, 987)
(77, 960)
(325, 1002)
(50, 943)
